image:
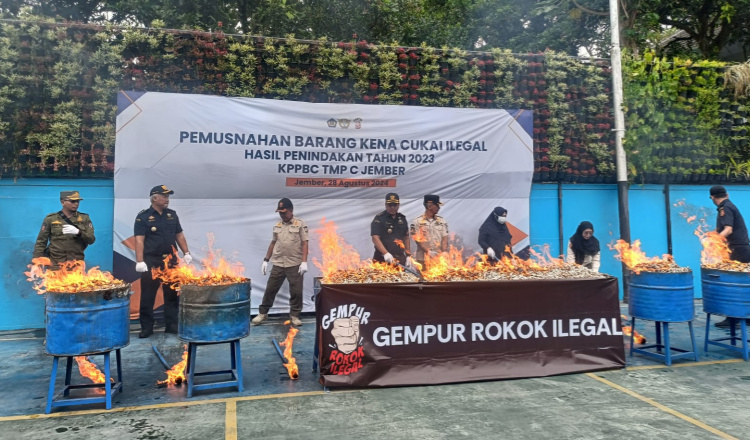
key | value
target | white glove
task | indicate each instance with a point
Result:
(188, 258)
(388, 258)
(409, 263)
(70, 229)
(490, 252)
(141, 267)
(264, 267)
(303, 268)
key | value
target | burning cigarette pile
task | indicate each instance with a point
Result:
(715, 253)
(637, 261)
(71, 277)
(341, 265)
(378, 273)
(451, 266)
(216, 271)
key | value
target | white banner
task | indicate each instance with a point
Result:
(229, 161)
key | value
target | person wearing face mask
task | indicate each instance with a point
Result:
(494, 235)
(583, 247)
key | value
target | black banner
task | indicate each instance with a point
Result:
(374, 335)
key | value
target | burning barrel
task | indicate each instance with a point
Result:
(662, 296)
(214, 313)
(726, 292)
(87, 322)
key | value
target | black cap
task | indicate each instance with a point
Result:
(70, 195)
(391, 198)
(718, 191)
(285, 204)
(434, 198)
(160, 189)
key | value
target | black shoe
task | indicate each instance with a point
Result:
(145, 333)
(725, 323)
(171, 328)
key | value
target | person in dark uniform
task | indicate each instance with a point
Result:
(65, 234)
(156, 231)
(390, 234)
(731, 226)
(494, 235)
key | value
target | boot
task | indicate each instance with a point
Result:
(259, 318)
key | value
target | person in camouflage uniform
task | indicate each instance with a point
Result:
(65, 234)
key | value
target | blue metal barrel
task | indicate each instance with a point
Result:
(666, 297)
(214, 313)
(87, 322)
(726, 292)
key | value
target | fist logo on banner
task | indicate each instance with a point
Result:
(344, 323)
(346, 333)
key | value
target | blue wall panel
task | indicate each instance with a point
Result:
(24, 202)
(23, 205)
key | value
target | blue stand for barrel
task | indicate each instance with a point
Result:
(667, 357)
(109, 387)
(733, 338)
(235, 371)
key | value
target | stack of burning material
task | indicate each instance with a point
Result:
(71, 277)
(451, 266)
(371, 272)
(716, 254)
(216, 271)
(637, 261)
(341, 265)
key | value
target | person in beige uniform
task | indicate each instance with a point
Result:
(429, 230)
(288, 255)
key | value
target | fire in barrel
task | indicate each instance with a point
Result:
(724, 282)
(660, 290)
(214, 300)
(86, 312)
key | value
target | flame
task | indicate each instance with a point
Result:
(715, 253)
(400, 243)
(637, 261)
(628, 330)
(452, 265)
(339, 259)
(341, 264)
(216, 270)
(419, 236)
(176, 375)
(71, 277)
(90, 371)
(287, 343)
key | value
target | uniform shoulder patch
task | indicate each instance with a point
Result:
(142, 211)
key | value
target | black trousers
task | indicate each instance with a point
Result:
(149, 286)
(740, 252)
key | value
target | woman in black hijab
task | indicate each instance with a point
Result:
(494, 235)
(583, 247)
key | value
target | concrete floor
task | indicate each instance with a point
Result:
(690, 400)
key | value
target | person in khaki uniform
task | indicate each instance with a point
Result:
(288, 255)
(429, 230)
(65, 234)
